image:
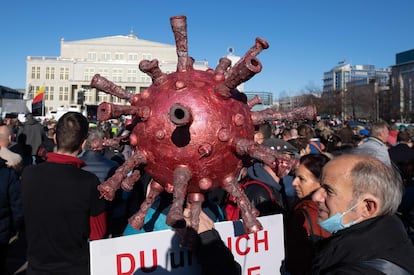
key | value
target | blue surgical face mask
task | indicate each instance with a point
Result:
(334, 223)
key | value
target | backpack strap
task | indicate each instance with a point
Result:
(308, 219)
(385, 266)
(320, 147)
(267, 187)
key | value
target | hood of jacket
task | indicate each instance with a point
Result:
(257, 172)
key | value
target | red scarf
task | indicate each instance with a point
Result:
(65, 159)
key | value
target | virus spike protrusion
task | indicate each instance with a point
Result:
(101, 83)
(128, 183)
(223, 65)
(279, 163)
(109, 110)
(179, 28)
(115, 143)
(181, 178)
(109, 187)
(190, 63)
(247, 210)
(254, 101)
(137, 220)
(307, 112)
(152, 69)
(243, 70)
(180, 115)
(260, 45)
(195, 201)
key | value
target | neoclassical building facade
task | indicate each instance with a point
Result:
(114, 57)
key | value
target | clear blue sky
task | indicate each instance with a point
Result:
(306, 37)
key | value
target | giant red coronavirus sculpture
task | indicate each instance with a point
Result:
(191, 130)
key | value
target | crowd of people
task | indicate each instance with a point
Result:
(348, 207)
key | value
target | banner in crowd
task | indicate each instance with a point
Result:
(160, 253)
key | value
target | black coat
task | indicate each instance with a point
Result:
(400, 153)
(11, 212)
(214, 257)
(58, 200)
(381, 237)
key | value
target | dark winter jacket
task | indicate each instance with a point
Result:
(302, 231)
(400, 153)
(33, 133)
(259, 195)
(99, 165)
(382, 237)
(11, 212)
(61, 205)
(214, 257)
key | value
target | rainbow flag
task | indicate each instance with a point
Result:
(37, 103)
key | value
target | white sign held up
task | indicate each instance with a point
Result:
(160, 253)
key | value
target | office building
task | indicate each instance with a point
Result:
(344, 75)
(402, 87)
(355, 89)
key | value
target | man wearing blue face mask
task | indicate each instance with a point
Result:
(357, 203)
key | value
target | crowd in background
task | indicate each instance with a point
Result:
(314, 144)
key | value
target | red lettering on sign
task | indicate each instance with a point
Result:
(250, 270)
(238, 246)
(119, 259)
(154, 262)
(123, 259)
(261, 237)
(264, 240)
(229, 246)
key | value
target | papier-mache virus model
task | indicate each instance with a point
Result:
(191, 130)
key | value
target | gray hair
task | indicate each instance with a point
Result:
(370, 175)
(378, 127)
(94, 133)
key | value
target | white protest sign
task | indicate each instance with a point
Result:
(160, 253)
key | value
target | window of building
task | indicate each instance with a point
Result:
(33, 74)
(105, 56)
(63, 73)
(66, 73)
(88, 96)
(50, 73)
(46, 94)
(61, 93)
(88, 73)
(103, 97)
(47, 72)
(104, 72)
(119, 56)
(145, 78)
(132, 57)
(37, 72)
(132, 75)
(116, 75)
(92, 56)
(51, 92)
(66, 93)
(131, 89)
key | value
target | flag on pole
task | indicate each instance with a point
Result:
(37, 103)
